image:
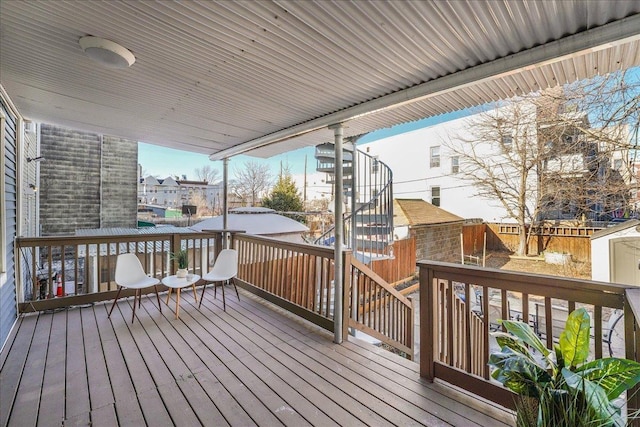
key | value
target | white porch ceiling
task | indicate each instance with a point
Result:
(224, 77)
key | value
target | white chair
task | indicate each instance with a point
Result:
(131, 275)
(223, 271)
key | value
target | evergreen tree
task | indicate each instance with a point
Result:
(285, 197)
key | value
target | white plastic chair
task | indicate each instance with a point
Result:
(223, 271)
(131, 275)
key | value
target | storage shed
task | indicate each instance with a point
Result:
(615, 254)
(437, 232)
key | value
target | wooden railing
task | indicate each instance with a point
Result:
(299, 278)
(56, 272)
(460, 306)
(74, 270)
(380, 311)
(295, 276)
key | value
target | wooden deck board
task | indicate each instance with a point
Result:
(238, 406)
(13, 366)
(27, 400)
(77, 406)
(130, 404)
(251, 365)
(52, 397)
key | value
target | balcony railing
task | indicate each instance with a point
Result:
(64, 271)
(56, 272)
(460, 306)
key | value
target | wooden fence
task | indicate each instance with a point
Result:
(504, 237)
(403, 264)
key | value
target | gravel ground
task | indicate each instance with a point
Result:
(505, 261)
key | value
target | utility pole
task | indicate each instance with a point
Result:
(304, 191)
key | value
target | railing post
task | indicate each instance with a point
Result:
(428, 344)
(346, 289)
(410, 322)
(632, 344)
(176, 241)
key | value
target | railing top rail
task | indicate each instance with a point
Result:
(380, 281)
(57, 240)
(300, 247)
(581, 291)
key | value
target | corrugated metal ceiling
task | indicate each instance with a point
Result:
(220, 77)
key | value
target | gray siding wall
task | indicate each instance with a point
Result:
(87, 181)
(8, 310)
(119, 182)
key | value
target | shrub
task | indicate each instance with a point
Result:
(560, 388)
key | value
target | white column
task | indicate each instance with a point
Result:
(225, 191)
(339, 234)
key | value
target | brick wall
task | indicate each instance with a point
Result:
(81, 170)
(439, 242)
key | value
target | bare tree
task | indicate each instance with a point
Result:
(207, 173)
(562, 154)
(251, 182)
(500, 156)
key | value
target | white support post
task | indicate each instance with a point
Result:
(339, 234)
(225, 191)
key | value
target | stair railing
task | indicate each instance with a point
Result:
(368, 228)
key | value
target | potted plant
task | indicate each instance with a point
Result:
(560, 388)
(182, 258)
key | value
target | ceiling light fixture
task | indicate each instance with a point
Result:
(106, 52)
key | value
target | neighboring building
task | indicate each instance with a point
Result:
(437, 232)
(581, 175)
(174, 193)
(424, 168)
(85, 181)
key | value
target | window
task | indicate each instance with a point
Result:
(507, 143)
(434, 157)
(455, 164)
(617, 164)
(435, 196)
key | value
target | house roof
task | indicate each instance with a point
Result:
(260, 221)
(616, 228)
(414, 212)
(225, 77)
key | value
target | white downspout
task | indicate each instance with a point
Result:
(339, 233)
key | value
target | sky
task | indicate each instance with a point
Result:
(163, 162)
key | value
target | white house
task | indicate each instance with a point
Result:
(425, 167)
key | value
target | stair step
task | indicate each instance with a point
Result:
(346, 170)
(374, 230)
(364, 218)
(371, 204)
(371, 245)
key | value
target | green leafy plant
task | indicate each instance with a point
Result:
(182, 257)
(560, 387)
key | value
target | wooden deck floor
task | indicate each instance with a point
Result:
(253, 365)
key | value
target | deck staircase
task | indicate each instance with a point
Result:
(368, 223)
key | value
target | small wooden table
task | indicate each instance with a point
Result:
(177, 283)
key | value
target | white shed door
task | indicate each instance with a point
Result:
(625, 260)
